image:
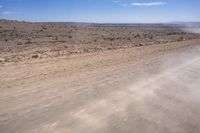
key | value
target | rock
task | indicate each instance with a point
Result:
(2, 60)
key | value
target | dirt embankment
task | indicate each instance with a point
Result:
(27, 41)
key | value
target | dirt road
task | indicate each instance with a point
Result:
(151, 89)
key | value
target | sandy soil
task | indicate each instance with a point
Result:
(149, 89)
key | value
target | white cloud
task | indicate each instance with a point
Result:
(9, 12)
(148, 4)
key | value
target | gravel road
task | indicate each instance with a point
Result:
(150, 89)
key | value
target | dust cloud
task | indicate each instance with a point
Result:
(191, 27)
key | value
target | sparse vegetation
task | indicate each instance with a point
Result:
(77, 39)
(35, 56)
(19, 43)
(44, 27)
(28, 41)
(56, 38)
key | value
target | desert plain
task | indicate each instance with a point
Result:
(98, 78)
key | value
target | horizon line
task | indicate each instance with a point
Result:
(172, 22)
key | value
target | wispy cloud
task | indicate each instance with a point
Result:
(1, 6)
(116, 1)
(9, 12)
(140, 4)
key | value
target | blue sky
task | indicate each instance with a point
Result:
(102, 11)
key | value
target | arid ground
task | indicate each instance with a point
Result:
(78, 78)
(26, 41)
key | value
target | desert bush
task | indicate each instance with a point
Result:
(137, 36)
(44, 27)
(56, 38)
(171, 33)
(110, 38)
(28, 41)
(49, 35)
(19, 43)
(62, 41)
(181, 38)
(128, 38)
(35, 56)
(150, 36)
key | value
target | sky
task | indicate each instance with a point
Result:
(101, 11)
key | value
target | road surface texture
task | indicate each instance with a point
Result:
(150, 89)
